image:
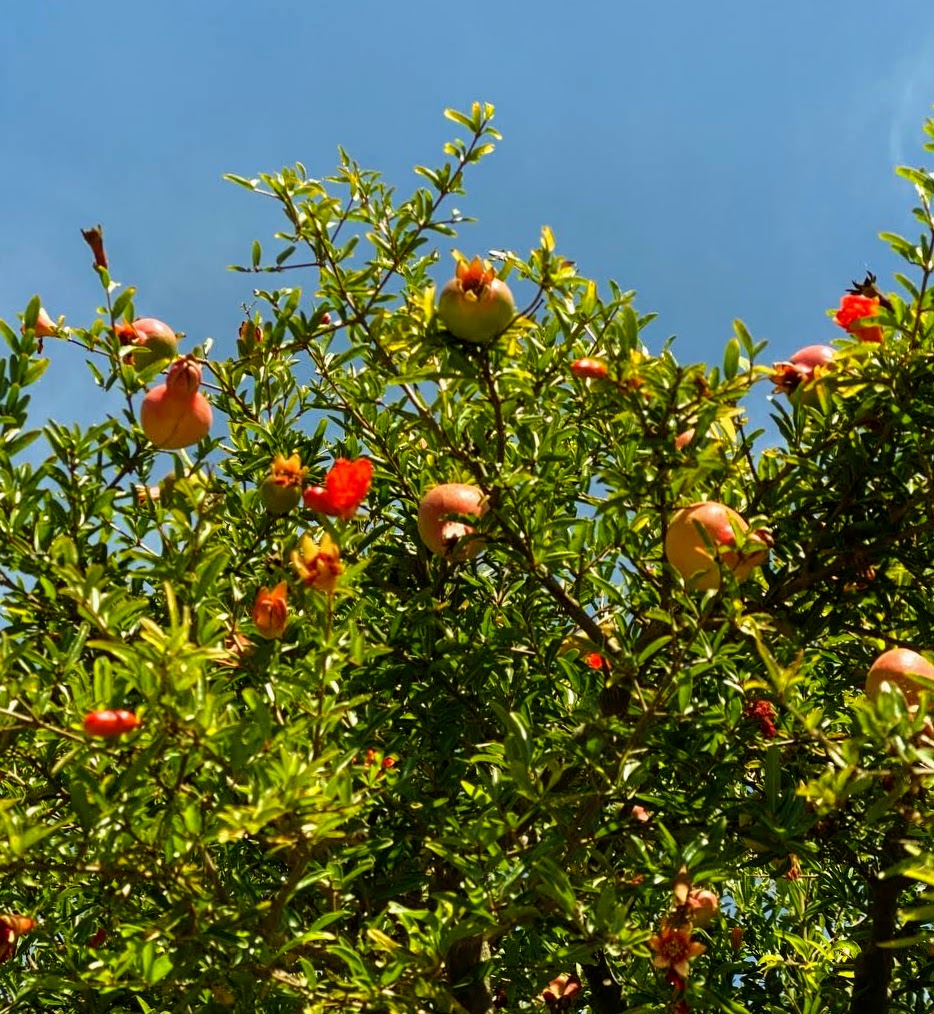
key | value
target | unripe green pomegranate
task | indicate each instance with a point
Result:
(475, 305)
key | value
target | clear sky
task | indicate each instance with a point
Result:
(724, 159)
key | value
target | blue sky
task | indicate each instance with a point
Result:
(725, 160)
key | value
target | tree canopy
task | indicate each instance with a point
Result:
(372, 661)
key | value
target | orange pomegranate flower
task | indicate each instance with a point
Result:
(345, 488)
(318, 564)
(853, 308)
(674, 948)
(12, 927)
(271, 611)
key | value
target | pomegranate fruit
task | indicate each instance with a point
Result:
(590, 369)
(475, 305)
(176, 414)
(437, 528)
(281, 490)
(156, 343)
(688, 552)
(903, 670)
(702, 906)
(799, 370)
(110, 723)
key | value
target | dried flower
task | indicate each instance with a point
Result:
(674, 948)
(249, 337)
(271, 611)
(736, 937)
(345, 488)
(853, 308)
(764, 713)
(95, 240)
(318, 564)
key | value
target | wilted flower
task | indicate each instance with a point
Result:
(318, 564)
(249, 337)
(345, 488)
(674, 948)
(237, 646)
(562, 991)
(736, 937)
(794, 867)
(270, 611)
(145, 494)
(94, 238)
(853, 308)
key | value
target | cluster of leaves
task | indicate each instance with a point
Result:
(245, 848)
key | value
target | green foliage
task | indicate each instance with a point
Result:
(421, 796)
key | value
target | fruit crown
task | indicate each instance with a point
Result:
(474, 275)
(184, 376)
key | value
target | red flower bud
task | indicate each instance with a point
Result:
(271, 611)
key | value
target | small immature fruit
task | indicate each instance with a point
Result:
(110, 723)
(436, 527)
(903, 670)
(688, 552)
(176, 414)
(475, 305)
(590, 369)
(281, 490)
